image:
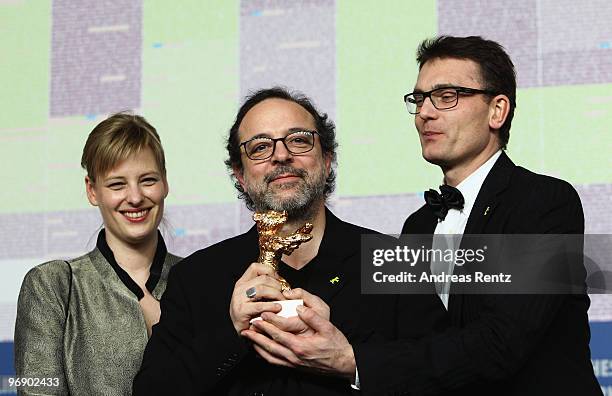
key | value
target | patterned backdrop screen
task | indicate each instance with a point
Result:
(65, 65)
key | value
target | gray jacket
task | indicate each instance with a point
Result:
(77, 322)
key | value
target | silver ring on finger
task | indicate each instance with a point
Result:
(251, 292)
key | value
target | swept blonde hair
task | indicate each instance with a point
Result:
(115, 139)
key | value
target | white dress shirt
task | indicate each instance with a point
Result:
(449, 231)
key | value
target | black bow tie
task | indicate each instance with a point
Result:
(450, 198)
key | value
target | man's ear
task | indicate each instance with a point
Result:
(328, 162)
(91, 192)
(498, 111)
(239, 175)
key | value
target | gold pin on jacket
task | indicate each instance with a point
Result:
(335, 280)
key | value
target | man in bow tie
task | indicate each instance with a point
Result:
(463, 104)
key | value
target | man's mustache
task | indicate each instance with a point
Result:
(285, 170)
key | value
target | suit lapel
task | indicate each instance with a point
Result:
(483, 212)
(423, 221)
(487, 199)
(421, 224)
(338, 245)
(249, 254)
(329, 280)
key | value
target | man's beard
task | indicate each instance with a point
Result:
(301, 204)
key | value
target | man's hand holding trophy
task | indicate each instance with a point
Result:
(267, 295)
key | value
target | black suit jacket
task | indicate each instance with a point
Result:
(497, 344)
(194, 350)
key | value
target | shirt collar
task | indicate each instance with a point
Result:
(154, 271)
(471, 185)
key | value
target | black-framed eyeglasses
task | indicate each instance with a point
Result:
(442, 98)
(296, 142)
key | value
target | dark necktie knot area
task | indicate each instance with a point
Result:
(440, 202)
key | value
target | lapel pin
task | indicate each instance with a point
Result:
(486, 210)
(335, 280)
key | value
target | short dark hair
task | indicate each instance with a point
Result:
(496, 68)
(325, 127)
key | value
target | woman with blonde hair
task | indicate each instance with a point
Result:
(82, 324)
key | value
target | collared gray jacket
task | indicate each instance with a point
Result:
(77, 322)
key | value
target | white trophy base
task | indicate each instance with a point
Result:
(288, 309)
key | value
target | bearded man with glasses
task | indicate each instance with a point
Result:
(514, 344)
(282, 155)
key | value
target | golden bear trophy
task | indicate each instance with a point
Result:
(271, 245)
